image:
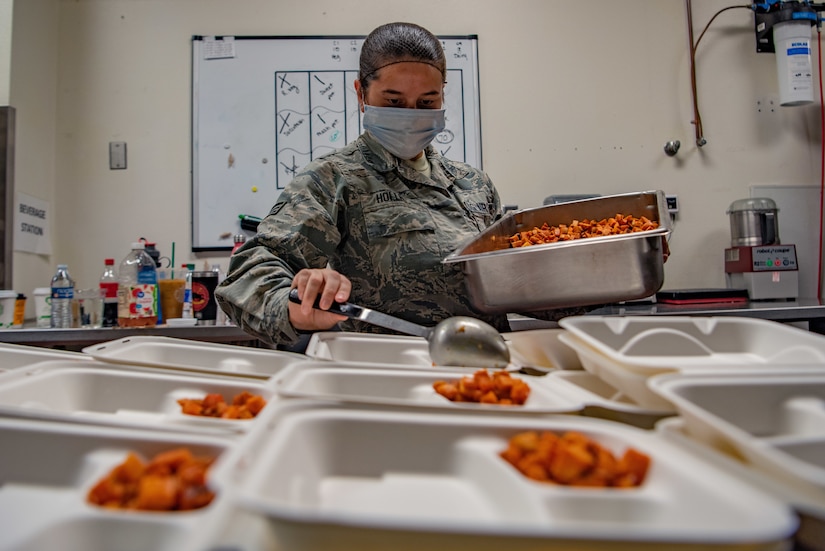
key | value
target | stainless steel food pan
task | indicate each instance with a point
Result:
(583, 272)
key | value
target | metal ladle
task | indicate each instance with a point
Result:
(457, 341)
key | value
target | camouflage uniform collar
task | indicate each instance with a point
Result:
(383, 161)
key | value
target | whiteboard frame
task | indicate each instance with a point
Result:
(210, 224)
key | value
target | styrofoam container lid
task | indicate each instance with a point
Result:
(630, 382)
(43, 291)
(775, 420)
(13, 356)
(654, 344)
(8, 294)
(324, 471)
(807, 500)
(189, 355)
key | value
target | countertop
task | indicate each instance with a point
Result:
(77, 338)
(811, 310)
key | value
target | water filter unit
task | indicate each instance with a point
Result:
(784, 28)
(792, 41)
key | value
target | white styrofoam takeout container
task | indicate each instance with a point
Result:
(538, 348)
(656, 344)
(188, 355)
(775, 421)
(47, 470)
(91, 392)
(809, 503)
(13, 356)
(626, 351)
(628, 383)
(332, 478)
(343, 383)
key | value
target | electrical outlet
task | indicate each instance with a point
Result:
(672, 204)
(117, 155)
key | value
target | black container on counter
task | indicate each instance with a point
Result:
(204, 305)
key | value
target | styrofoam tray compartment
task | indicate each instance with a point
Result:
(13, 356)
(47, 469)
(776, 421)
(604, 401)
(541, 348)
(656, 344)
(385, 350)
(409, 388)
(630, 383)
(350, 479)
(188, 355)
(88, 392)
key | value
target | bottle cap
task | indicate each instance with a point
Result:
(109, 262)
(138, 245)
(240, 238)
(62, 266)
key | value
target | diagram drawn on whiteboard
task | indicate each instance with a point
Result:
(264, 107)
(316, 112)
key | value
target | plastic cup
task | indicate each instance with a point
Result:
(7, 303)
(171, 297)
(43, 307)
(89, 307)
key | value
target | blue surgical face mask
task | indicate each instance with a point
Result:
(403, 132)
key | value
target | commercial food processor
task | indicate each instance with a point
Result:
(757, 260)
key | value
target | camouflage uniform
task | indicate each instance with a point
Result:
(374, 219)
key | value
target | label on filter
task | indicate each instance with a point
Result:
(138, 301)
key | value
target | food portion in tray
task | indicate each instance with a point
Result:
(581, 229)
(573, 459)
(485, 388)
(173, 480)
(244, 405)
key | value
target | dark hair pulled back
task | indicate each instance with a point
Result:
(397, 42)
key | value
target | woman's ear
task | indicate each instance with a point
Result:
(359, 93)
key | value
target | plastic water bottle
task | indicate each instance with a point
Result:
(62, 296)
(137, 293)
(187, 291)
(108, 289)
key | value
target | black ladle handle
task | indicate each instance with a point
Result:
(342, 308)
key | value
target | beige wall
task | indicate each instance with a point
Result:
(575, 97)
(6, 7)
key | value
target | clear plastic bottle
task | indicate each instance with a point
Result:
(137, 293)
(62, 296)
(108, 290)
(187, 290)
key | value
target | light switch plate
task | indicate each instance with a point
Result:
(117, 155)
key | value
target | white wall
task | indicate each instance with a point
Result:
(575, 96)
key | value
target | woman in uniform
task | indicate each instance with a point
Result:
(369, 223)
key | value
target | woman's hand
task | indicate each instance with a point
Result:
(331, 286)
(665, 249)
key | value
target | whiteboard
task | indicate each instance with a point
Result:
(264, 106)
